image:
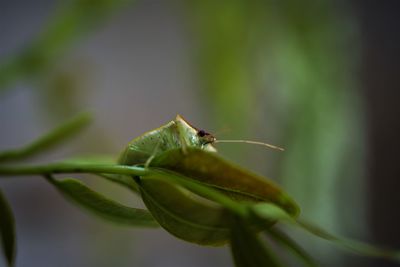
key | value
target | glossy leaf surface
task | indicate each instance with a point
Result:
(184, 214)
(211, 170)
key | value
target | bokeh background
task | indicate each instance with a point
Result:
(319, 78)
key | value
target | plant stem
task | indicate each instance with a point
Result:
(57, 168)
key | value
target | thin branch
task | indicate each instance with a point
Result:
(58, 168)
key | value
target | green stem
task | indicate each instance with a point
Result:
(57, 168)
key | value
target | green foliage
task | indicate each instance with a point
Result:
(123, 180)
(195, 195)
(289, 65)
(269, 211)
(48, 141)
(7, 230)
(296, 249)
(183, 214)
(213, 171)
(248, 250)
(224, 50)
(98, 204)
(71, 21)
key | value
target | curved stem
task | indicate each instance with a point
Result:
(57, 168)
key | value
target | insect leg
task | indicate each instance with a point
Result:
(154, 153)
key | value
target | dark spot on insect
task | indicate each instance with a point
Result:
(201, 133)
(205, 137)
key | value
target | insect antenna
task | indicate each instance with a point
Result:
(250, 142)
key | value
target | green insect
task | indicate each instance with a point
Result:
(178, 133)
(175, 134)
(186, 150)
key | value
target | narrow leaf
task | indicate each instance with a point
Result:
(289, 243)
(200, 189)
(270, 211)
(7, 230)
(357, 247)
(237, 183)
(48, 141)
(100, 205)
(183, 207)
(184, 214)
(124, 180)
(248, 250)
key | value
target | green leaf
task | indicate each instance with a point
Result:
(48, 141)
(354, 246)
(184, 214)
(203, 190)
(248, 250)
(96, 203)
(289, 243)
(124, 180)
(7, 230)
(270, 211)
(213, 171)
(190, 215)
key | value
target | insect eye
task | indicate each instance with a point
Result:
(201, 133)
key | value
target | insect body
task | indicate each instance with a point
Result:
(175, 134)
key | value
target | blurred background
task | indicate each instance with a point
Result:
(319, 78)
